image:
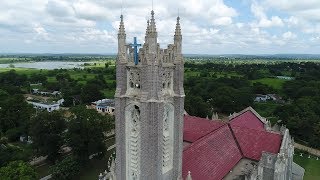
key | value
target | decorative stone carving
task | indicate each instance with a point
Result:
(133, 141)
(167, 79)
(134, 81)
(167, 130)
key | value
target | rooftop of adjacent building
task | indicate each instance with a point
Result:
(104, 103)
(217, 149)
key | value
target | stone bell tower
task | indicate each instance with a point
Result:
(149, 107)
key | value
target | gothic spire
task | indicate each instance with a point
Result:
(178, 39)
(121, 27)
(178, 27)
(152, 28)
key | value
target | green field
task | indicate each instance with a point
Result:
(311, 166)
(197, 73)
(25, 71)
(273, 82)
(81, 76)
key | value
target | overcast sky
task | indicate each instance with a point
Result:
(208, 26)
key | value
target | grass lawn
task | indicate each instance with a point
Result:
(311, 166)
(273, 82)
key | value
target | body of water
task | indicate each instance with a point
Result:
(46, 65)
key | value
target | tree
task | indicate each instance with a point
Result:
(85, 132)
(18, 170)
(37, 78)
(194, 105)
(15, 112)
(91, 92)
(14, 153)
(3, 93)
(65, 169)
(12, 78)
(224, 99)
(61, 77)
(47, 130)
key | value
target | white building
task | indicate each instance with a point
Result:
(47, 106)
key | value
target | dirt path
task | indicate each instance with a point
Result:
(312, 151)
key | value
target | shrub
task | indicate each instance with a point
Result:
(65, 169)
(13, 134)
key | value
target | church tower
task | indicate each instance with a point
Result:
(149, 107)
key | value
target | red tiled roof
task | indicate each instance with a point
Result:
(217, 147)
(211, 157)
(253, 142)
(194, 127)
(248, 119)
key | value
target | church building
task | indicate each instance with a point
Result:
(157, 140)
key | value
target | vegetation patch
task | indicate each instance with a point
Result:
(311, 166)
(273, 82)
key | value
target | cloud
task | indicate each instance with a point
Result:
(304, 15)
(262, 19)
(91, 11)
(59, 8)
(223, 21)
(208, 26)
(289, 35)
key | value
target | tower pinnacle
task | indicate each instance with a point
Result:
(178, 39)
(153, 28)
(178, 27)
(121, 27)
(148, 27)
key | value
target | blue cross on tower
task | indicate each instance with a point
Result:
(135, 45)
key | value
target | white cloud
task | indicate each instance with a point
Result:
(262, 19)
(292, 21)
(303, 14)
(223, 21)
(59, 8)
(208, 26)
(91, 11)
(289, 35)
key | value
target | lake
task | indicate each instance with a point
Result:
(47, 65)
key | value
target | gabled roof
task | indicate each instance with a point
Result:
(195, 128)
(253, 142)
(211, 157)
(248, 118)
(217, 147)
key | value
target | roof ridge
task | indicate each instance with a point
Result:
(215, 120)
(254, 112)
(236, 140)
(244, 127)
